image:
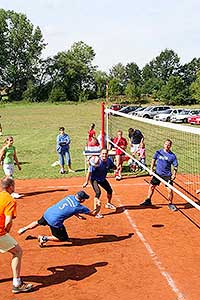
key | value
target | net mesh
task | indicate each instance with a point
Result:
(186, 146)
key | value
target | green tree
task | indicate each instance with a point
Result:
(195, 88)
(174, 91)
(133, 74)
(188, 72)
(152, 87)
(133, 92)
(21, 47)
(114, 87)
(162, 67)
(73, 70)
(118, 74)
(100, 83)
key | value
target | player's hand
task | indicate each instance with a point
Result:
(151, 173)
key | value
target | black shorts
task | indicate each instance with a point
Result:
(60, 233)
(104, 184)
(156, 181)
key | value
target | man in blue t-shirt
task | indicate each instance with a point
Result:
(97, 173)
(163, 159)
(55, 216)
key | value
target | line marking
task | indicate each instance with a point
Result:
(154, 257)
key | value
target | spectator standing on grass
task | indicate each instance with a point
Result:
(141, 152)
(91, 133)
(136, 137)
(120, 141)
(163, 159)
(8, 156)
(97, 172)
(55, 216)
(62, 148)
(7, 242)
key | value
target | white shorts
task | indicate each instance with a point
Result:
(134, 147)
(7, 242)
(8, 169)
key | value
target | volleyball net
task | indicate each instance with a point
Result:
(185, 144)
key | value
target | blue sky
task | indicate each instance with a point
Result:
(118, 30)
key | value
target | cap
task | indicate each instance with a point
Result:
(82, 195)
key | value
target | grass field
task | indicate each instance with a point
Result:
(35, 127)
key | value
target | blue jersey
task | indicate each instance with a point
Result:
(64, 209)
(62, 143)
(164, 161)
(99, 173)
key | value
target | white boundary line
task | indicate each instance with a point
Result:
(154, 257)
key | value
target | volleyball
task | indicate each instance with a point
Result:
(94, 161)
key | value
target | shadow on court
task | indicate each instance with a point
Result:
(41, 192)
(101, 238)
(60, 274)
(121, 209)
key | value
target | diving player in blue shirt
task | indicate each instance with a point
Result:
(164, 159)
(55, 216)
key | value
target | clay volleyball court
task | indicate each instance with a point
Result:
(134, 253)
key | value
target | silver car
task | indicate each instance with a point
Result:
(151, 111)
(167, 114)
(183, 116)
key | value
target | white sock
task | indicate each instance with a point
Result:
(16, 281)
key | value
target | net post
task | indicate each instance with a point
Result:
(102, 125)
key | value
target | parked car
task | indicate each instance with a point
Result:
(183, 116)
(151, 111)
(135, 112)
(166, 114)
(194, 119)
(116, 106)
(128, 109)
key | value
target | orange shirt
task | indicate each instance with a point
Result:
(7, 208)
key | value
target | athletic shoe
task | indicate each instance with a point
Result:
(16, 195)
(54, 164)
(118, 177)
(172, 207)
(62, 171)
(22, 288)
(42, 240)
(21, 230)
(110, 206)
(99, 216)
(147, 202)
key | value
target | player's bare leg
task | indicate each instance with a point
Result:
(97, 207)
(32, 225)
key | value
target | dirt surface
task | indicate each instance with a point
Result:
(134, 253)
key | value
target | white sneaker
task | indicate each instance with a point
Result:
(118, 177)
(42, 239)
(99, 216)
(56, 163)
(110, 206)
(16, 195)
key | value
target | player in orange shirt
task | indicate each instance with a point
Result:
(7, 242)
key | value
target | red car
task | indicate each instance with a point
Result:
(194, 119)
(116, 106)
